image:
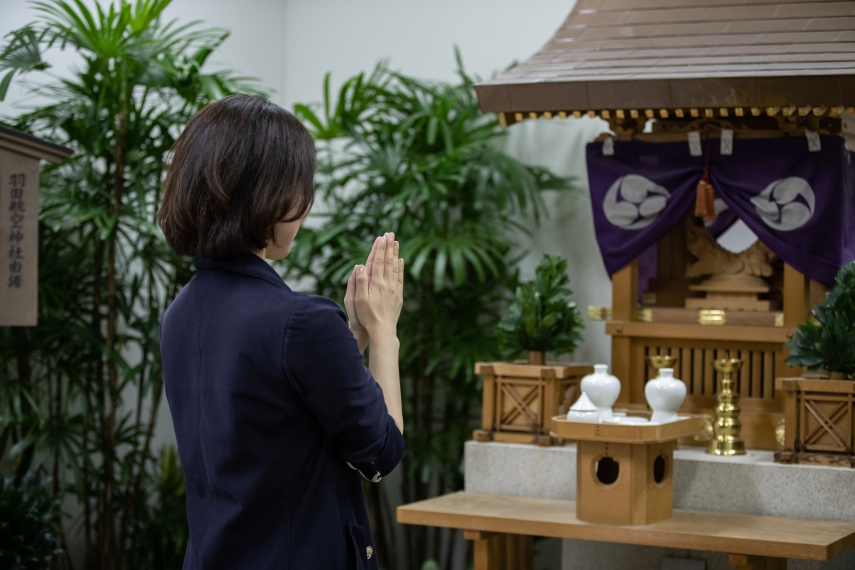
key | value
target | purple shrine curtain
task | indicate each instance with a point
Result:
(800, 203)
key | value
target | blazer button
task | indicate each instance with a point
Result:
(369, 552)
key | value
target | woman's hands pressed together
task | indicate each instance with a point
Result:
(374, 294)
(373, 301)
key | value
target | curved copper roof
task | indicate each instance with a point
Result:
(704, 57)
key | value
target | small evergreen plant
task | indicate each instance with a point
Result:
(542, 317)
(827, 340)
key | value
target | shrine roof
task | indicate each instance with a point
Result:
(656, 56)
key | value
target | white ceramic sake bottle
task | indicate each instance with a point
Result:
(603, 390)
(665, 395)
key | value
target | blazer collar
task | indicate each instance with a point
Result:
(245, 263)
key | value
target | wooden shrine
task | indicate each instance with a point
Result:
(657, 71)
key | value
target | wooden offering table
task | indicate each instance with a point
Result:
(502, 528)
(624, 471)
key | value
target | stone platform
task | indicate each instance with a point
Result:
(749, 484)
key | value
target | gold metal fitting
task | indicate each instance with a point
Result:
(781, 432)
(712, 317)
(596, 313)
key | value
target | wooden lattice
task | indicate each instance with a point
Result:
(819, 420)
(520, 399)
(520, 404)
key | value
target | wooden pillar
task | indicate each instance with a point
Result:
(746, 562)
(499, 551)
(624, 308)
(796, 297)
(625, 293)
(488, 411)
(788, 390)
(796, 307)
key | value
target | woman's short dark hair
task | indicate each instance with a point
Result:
(241, 166)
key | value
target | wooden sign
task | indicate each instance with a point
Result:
(19, 224)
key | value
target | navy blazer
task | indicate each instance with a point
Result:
(274, 411)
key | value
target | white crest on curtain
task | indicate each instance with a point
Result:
(634, 202)
(786, 204)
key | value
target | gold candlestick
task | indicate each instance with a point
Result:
(726, 440)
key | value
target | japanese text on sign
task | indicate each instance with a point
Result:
(17, 211)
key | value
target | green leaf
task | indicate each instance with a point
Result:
(828, 340)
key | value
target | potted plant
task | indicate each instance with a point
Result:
(520, 398)
(542, 317)
(818, 412)
(826, 342)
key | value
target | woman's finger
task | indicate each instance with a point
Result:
(391, 254)
(379, 262)
(370, 263)
(401, 272)
(350, 292)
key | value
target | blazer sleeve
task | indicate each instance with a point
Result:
(323, 364)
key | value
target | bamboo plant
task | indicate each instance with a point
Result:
(79, 394)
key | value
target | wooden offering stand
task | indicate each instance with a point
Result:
(624, 472)
(819, 417)
(519, 399)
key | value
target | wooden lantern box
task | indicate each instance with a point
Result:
(819, 421)
(624, 473)
(519, 400)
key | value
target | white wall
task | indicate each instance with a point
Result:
(346, 36)
(290, 44)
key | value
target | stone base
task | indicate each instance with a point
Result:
(749, 484)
